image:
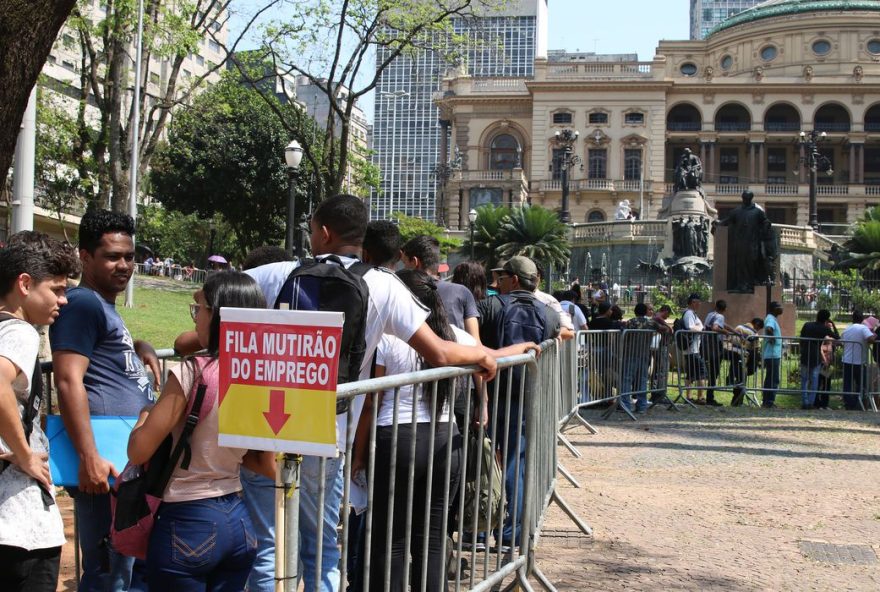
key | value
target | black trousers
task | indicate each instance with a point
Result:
(29, 571)
(426, 537)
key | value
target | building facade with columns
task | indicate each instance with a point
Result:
(739, 99)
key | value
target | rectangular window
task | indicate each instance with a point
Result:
(730, 159)
(728, 180)
(634, 119)
(598, 118)
(776, 180)
(154, 78)
(632, 164)
(776, 160)
(561, 118)
(598, 163)
(200, 60)
(214, 46)
(556, 163)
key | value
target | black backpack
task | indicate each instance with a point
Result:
(326, 285)
(682, 338)
(523, 318)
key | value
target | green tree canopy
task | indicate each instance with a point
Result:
(532, 231)
(225, 155)
(487, 235)
(864, 244)
(411, 227)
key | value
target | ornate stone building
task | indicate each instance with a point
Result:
(739, 99)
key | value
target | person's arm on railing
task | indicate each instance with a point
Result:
(187, 343)
(438, 352)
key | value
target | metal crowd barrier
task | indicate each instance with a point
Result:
(733, 363)
(523, 403)
(615, 366)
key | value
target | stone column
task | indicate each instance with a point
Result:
(860, 171)
(852, 163)
(713, 166)
(762, 164)
(751, 163)
(802, 169)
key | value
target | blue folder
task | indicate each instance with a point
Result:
(111, 437)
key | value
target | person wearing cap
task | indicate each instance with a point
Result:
(694, 364)
(517, 281)
(772, 354)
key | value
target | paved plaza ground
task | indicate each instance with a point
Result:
(714, 500)
(721, 500)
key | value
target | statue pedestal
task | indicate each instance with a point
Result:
(742, 308)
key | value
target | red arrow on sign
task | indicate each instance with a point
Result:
(276, 417)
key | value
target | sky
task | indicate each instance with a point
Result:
(616, 26)
(610, 26)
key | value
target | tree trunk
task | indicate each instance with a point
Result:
(27, 30)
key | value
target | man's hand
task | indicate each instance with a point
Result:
(147, 353)
(490, 366)
(35, 464)
(94, 473)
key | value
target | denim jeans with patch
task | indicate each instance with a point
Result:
(202, 545)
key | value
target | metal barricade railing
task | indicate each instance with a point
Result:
(522, 404)
(709, 362)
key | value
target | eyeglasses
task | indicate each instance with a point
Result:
(194, 309)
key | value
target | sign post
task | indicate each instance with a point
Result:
(278, 371)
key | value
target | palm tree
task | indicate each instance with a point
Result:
(864, 244)
(536, 233)
(487, 234)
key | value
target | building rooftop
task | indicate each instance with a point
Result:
(773, 8)
(560, 55)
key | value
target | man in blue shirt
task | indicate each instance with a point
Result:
(772, 355)
(99, 371)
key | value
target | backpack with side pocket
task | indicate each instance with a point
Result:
(327, 285)
(138, 491)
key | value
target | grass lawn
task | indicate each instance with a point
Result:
(158, 316)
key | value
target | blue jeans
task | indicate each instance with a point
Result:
(308, 521)
(205, 545)
(635, 380)
(103, 570)
(514, 480)
(809, 384)
(259, 496)
(771, 381)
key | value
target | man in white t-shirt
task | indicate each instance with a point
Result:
(337, 227)
(856, 339)
(33, 281)
(695, 367)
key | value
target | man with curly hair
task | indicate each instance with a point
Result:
(33, 279)
(99, 371)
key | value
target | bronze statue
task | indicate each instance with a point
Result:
(751, 247)
(689, 172)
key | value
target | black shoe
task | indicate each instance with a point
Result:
(714, 403)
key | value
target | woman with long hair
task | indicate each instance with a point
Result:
(394, 356)
(203, 539)
(471, 275)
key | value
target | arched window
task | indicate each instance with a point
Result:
(596, 216)
(504, 153)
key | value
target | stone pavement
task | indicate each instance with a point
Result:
(721, 500)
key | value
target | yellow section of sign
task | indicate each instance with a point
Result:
(256, 411)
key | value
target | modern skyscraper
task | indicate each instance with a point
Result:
(707, 14)
(406, 130)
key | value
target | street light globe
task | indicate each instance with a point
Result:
(472, 216)
(293, 155)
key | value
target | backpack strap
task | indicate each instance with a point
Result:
(197, 407)
(34, 401)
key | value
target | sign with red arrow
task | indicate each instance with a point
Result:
(278, 372)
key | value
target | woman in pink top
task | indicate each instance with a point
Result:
(203, 539)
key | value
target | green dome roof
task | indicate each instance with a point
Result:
(773, 8)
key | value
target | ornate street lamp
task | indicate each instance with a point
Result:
(443, 172)
(472, 218)
(815, 161)
(566, 139)
(293, 154)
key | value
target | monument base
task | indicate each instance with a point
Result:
(742, 308)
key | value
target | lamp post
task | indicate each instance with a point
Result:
(472, 218)
(815, 161)
(566, 139)
(443, 172)
(293, 154)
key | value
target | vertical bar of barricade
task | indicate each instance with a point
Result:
(287, 524)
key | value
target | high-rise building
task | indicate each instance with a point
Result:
(708, 14)
(408, 139)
